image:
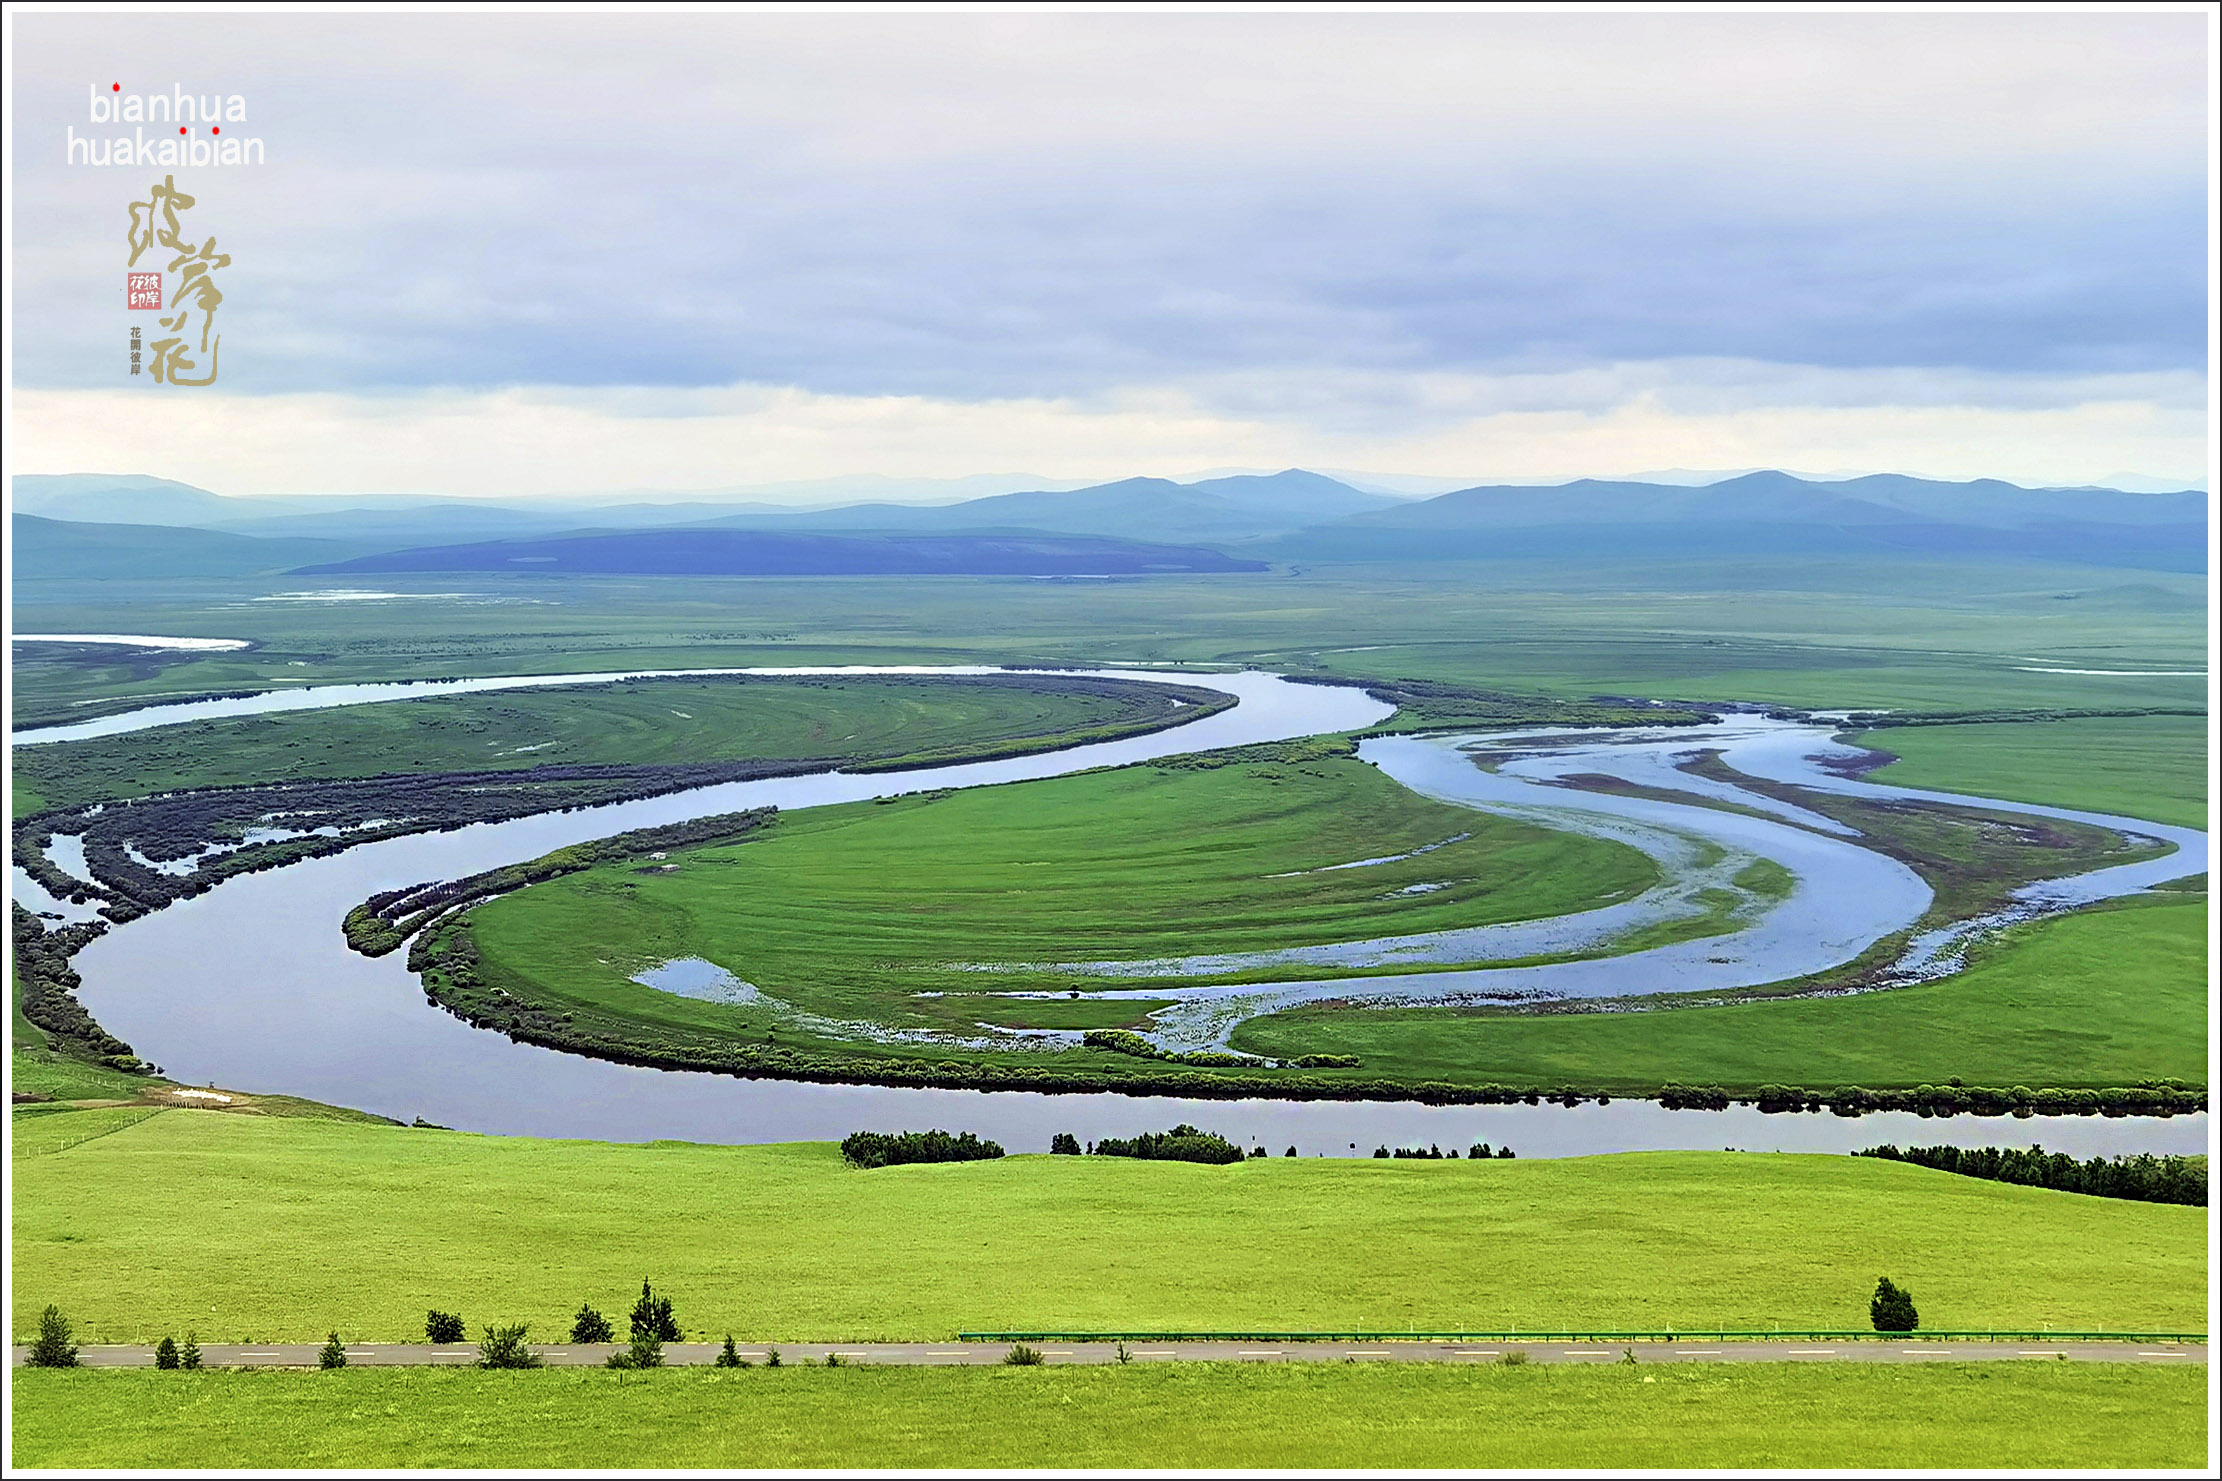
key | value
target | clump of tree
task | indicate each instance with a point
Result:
(2145, 1177)
(1064, 1144)
(590, 1326)
(1127, 1042)
(504, 1347)
(443, 1326)
(1183, 1143)
(1891, 1310)
(890, 1148)
(56, 1345)
(1480, 1152)
(165, 1353)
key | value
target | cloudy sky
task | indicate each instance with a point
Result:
(511, 254)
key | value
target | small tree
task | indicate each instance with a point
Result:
(443, 1326)
(1291, 1152)
(728, 1356)
(652, 1313)
(771, 1357)
(333, 1355)
(165, 1353)
(646, 1351)
(57, 1345)
(1892, 1309)
(189, 1356)
(590, 1326)
(1022, 1356)
(1065, 1144)
(504, 1347)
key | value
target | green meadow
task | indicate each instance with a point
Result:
(258, 1228)
(2152, 766)
(851, 911)
(1189, 1417)
(2091, 1000)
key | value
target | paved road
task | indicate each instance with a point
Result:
(958, 1354)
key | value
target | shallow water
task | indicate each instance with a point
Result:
(251, 985)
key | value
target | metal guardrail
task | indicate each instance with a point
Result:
(1706, 1334)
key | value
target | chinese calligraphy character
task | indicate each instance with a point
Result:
(155, 221)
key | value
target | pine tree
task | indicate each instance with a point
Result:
(590, 1326)
(728, 1357)
(652, 1314)
(189, 1357)
(333, 1355)
(57, 1345)
(1892, 1309)
(165, 1353)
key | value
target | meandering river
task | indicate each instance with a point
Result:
(251, 985)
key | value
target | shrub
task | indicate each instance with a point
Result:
(1022, 1356)
(728, 1356)
(1291, 1152)
(165, 1354)
(833, 1360)
(652, 1314)
(590, 1326)
(646, 1351)
(1184, 1143)
(57, 1345)
(189, 1356)
(1505, 1152)
(1892, 1309)
(333, 1355)
(1516, 1357)
(771, 1357)
(504, 1347)
(891, 1148)
(1122, 1356)
(1064, 1144)
(443, 1326)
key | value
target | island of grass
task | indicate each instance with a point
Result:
(903, 933)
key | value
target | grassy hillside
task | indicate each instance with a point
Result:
(2152, 766)
(49, 549)
(2092, 1000)
(269, 1229)
(1425, 1417)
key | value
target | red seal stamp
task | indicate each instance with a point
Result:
(143, 290)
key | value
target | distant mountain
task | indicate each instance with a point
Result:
(1772, 513)
(718, 552)
(116, 498)
(43, 548)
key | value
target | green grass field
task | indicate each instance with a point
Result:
(1427, 1417)
(266, 1229)
(2094, 1000)
(850, 911)
(637, 723)
(2149, 767)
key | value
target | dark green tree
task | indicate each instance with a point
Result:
(165, 1353)
(189, 1356)
(333, 1354)
(1065, 1144)
(591, 1326)
(728, 1356)
(1892, 1309)
(443, 1326)
(652, 1314)
(57, 1345)
(504, 1347)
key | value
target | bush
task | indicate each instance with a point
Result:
(1022, 1356)
(646, 1351)
(443, 1326)
(2146, 1178)
(1291, 1152)
(504, 1347)
(333, 1355)
(833, 1360)
(1064, 1144)
(771, 1357)
(57, 1345)
(165, 1354)
(652, 1314)
(1184, 1143)
(893, 1148)
(1892, 1309)
(189, 1356)
(591, 1326)
(728, 1355)
(1514, 1357)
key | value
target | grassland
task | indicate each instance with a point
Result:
(2091, 1000)
(2151, 767)
(1423, 1417)
(850, 911)
(266, 1229)
(636, 723)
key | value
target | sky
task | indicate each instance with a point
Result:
(516, 254)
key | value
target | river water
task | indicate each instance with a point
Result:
(251, 985)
